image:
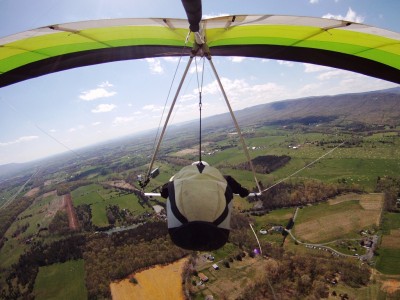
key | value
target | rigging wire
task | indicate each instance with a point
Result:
(169, 93)
(306, 166)
(200, 89)
(14, 196)
(166, 122)
(259, 245)
(244, 146)
(41, 129)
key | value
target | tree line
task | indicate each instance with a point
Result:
(110, 258)
(390, 186)
(9, 215)
(303, 193)
(266, 164)
(21, 278)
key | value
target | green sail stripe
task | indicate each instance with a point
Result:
(369, 46)
(34, 49)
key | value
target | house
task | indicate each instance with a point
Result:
(203, 277)
(215, 266)
(209, 257)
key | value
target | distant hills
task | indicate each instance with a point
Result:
(378, 107)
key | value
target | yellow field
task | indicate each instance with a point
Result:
(391, 286)
(159, 282)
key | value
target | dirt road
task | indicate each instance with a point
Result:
(72, 219)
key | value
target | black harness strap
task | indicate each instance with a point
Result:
(228, 198)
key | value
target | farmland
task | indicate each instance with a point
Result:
(337, 193)
(388, 260)
(159, 282)
(28, 224)
(61, 281)
(99, 198)
(338, 218)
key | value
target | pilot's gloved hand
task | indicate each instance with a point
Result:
(164, 191)
(244, 192)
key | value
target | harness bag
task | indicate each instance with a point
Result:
(198, 208)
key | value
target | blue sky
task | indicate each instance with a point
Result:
(80, 107)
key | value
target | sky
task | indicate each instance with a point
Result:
(72, 109)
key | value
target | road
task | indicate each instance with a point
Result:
(72, 219)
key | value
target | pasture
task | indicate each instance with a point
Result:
(326, 221)
(61, 281)
(388, 259)
(359, 165)
(38, 215)
(99, 198)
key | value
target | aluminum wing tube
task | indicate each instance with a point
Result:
(194, 13)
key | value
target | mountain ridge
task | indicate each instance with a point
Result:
(355, 107)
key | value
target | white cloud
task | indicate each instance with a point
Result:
(96, 123)
(243, 94)
(189, 97)
(98, 93)
(22, 139)
(351, 16)
(153, 108)
(155, 65)
(332, 74)
(101, 108)
(105, 84)
(236, 59)
(53, 130)
(172, 59)
(122, 120)
(195, 69)
(314, 1)
(285, 63)
(74, 129)
(310, 68)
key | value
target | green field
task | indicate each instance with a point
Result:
(388, 261)
(390, 221)
(61, 281)
(359, 165)
(99, 198)
(36, 216)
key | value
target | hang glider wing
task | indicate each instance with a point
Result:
(340, 44)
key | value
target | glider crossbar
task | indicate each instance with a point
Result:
(246, 151)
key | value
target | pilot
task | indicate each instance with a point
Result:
(199, 205)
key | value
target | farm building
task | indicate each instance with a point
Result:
(215, 266)
(203, 277)
(158, 208)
